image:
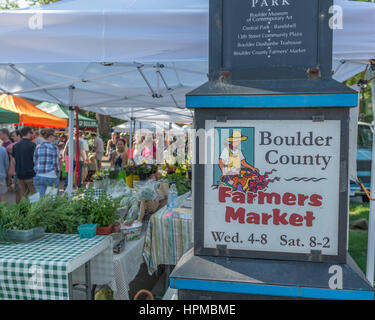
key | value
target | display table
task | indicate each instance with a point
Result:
(126, 266)
(167, 237)
(42, 269)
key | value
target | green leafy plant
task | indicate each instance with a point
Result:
(59, 214)
(3, 221)
(112, 174)
(183, 184)
(144, 169)
(16, 217)
(154, 168)
(102, 210)
(125, 171)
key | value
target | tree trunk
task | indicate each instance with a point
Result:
(104, 125)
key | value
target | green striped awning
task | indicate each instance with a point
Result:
(63, 112)
(8, 116)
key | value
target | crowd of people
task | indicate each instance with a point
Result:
(29, 162)
(148, 148)
(33, 160)
(143, 149)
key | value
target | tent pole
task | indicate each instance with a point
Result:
(69, 189)
(157, 80)
(371, 227)
(131, 138)
(154, 95)
(168, 89)
(133, 133)
(77, 148)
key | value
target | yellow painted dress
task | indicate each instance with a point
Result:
(234, 170)
(234, 164)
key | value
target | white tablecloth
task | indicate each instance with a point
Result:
(100, 264)
(126, 266)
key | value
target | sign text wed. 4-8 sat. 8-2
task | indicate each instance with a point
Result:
(274, 186)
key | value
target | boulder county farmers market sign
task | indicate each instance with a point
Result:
(274, 186)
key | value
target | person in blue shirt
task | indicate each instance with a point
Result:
(46, 163)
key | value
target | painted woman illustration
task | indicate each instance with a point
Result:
(231, 158)
(236, 172)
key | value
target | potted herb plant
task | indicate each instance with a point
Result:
(113, 174)
(143, 171)
(16, 223)
(104, 213)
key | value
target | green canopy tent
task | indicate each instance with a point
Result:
(8, 116)
(63, 112)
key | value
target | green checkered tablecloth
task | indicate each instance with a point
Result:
(39, 270)
(167, 237)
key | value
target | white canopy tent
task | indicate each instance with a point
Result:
(162, 44)
(134, 59)
(128, 59)
(152, 126)
(148, 32)
(111, 30)
(354, 43)
(127, 127)
(122, 90)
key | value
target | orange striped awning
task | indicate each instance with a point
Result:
(30, 115)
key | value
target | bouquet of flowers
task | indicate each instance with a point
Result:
(101, 175)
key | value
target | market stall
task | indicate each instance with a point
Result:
(63, 113)
(112, 211)
(29, 115)
(144, 198)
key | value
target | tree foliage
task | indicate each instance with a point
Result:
(113, 121)
(354, 80)
(40, 2)
(13, 4)
(8, 4)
